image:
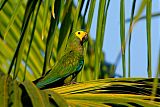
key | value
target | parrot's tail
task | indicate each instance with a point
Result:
(37, 80)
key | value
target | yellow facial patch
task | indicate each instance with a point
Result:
(80, 34)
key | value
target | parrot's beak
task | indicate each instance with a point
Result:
(85, 38)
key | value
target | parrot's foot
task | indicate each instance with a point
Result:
(73, 82)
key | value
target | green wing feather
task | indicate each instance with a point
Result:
(71, 63)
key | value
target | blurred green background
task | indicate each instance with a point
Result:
(123, 43)
(32, 40)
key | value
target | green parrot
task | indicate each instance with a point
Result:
(69, 65)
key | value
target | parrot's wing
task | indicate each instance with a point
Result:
(69, 64)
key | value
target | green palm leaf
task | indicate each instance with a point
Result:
(111, 92)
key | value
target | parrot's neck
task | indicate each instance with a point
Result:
(75, 45)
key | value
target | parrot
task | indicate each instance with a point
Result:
(69, 65)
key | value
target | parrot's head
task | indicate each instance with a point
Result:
(82, 35)
(77, 40)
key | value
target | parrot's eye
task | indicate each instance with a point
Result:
(80, 34)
